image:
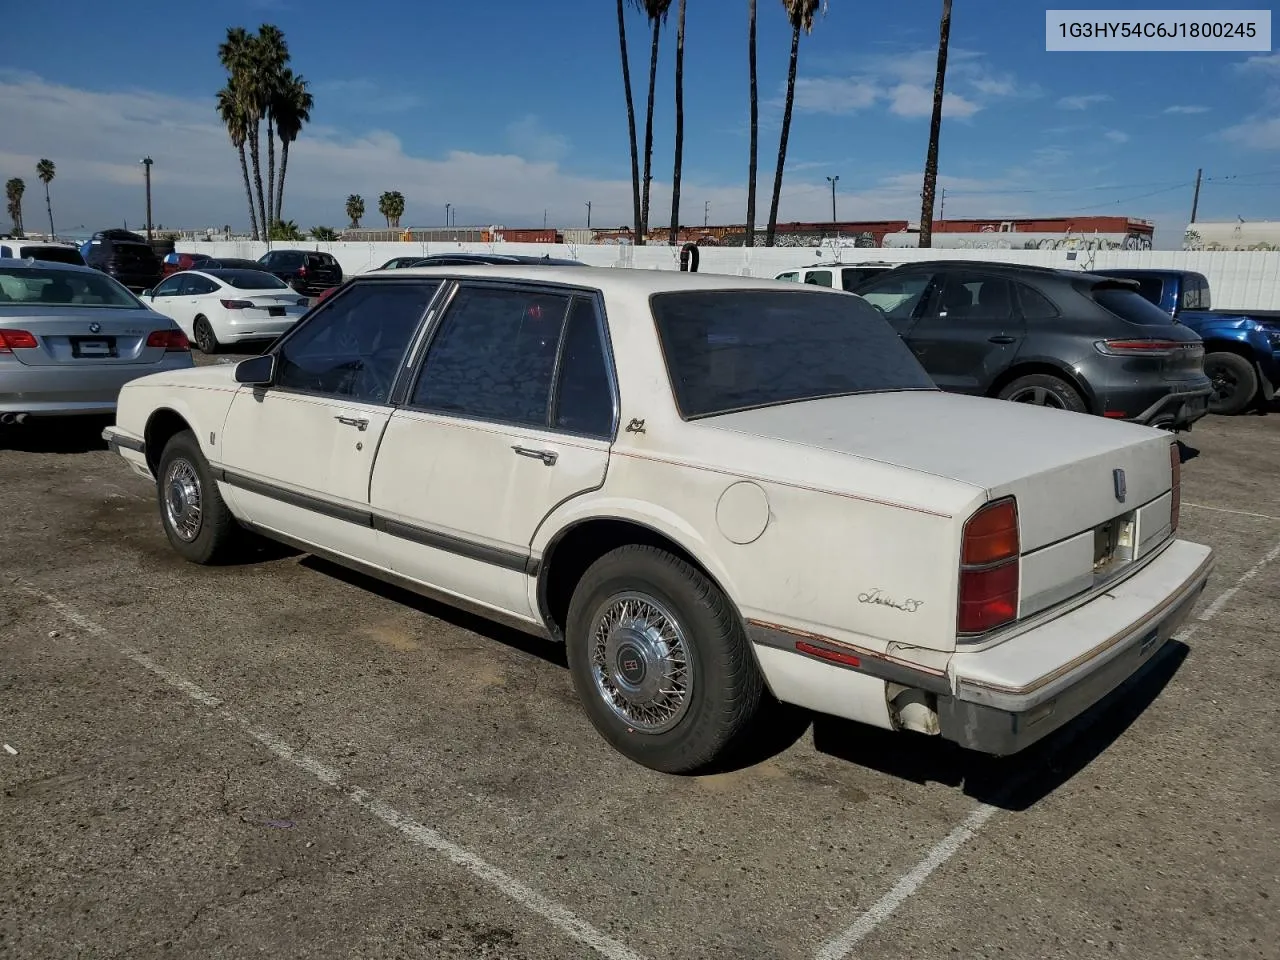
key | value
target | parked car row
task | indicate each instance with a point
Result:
(716, 491)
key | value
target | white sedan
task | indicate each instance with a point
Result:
(220, 307)
(712, 489)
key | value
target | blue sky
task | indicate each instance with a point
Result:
(506, 111)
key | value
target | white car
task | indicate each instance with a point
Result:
(841, 276)
(708, 487)
(217, 308)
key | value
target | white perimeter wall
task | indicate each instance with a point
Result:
(1238, 279)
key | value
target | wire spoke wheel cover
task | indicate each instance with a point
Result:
(640, 662)
(183, 502)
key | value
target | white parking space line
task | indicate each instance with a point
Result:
(842, 944)
(419, 834)
(1238, 513)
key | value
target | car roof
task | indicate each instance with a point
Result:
(998, 266)
(18, 262)
(842, 263)
(624, 281)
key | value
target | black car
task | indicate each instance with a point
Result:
(229, 263)
(307, 271)
(475, 259)
(1059, 338)
(125, 256)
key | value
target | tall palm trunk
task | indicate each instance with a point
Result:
(271, 174)
(755, 124)
(49, 205)
(255, 156)
(935, 129)
(648, 128)
(631, 119)
(248, 189)
(675, 177)
(786, 132)
(284, 165)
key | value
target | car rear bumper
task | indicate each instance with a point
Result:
(1178, 409)
(82, 389)
(1004, 699)
(258, 328)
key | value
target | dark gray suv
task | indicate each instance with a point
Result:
(1059, 338)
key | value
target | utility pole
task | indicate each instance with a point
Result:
(942, 206)
(706, 213)
(146, 163)
(1195, 198)
(544, 218)
(588, 214)
(446, 213)
(832, 181)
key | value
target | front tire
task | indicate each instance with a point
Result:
(195, 518)
(205, 339)
(660, 660)
(1235, 382)
(1044, 390)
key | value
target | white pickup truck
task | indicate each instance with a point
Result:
(710, 488)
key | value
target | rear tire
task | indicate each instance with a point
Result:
(1045, 390)
(195, 518)
(660, 660)
(1235, 382)
(205, 339)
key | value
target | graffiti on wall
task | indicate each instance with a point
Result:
(1233, 239)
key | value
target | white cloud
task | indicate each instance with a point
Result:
(1260, 134)
(1187, 108)
(914, 100)
(834, 95)
(1117, 136)
(1266, 63)
(1083, 101)
(528, 138)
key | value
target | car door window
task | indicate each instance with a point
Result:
(494, 356)
(168, 288)
(967, 296)
(353, 346)
(899, 296)
(199, 286)
(791, 275)
(819, 278)
(584, 395)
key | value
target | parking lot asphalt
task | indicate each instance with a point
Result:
(281, 758)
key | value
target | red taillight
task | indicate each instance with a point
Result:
(175, 341)
(11, 340)
(1142, 348)
(236, 304)
(1175, 467)
(989, 553)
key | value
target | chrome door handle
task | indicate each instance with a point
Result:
(356, 422)
(549, 457)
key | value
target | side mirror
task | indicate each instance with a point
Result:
(147, 294)
(257, 371)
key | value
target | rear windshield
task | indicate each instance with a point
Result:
(730, 350)
(132, 251)
(53, 287)
(320, 260)
(249, 279)
(54, 254)
(1131, 305)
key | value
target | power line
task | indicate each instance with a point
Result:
(1141, 196)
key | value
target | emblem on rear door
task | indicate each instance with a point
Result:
(95, 327)
(1117, 476)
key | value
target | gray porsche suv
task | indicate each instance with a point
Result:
(1058, 338)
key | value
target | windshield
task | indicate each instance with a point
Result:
(730, 350)
(53, 287)
(249, 279)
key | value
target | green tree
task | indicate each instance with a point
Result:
(801, 14)
(631, 119)
(270, 55)
(45, 171)
(391, 206)
(231, 111)
(238, 54)
(656, 11)
(935, 130)
(355, 210)
(14, 188)
(324, 234)
(287, 230)
(292, 110)
(675, 177)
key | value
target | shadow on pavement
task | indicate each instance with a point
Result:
(56, 435)
(1010, 783)
(1186, 452)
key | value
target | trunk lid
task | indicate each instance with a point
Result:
(70, 335)
(1061, 466)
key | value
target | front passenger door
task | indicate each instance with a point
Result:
(298, 454)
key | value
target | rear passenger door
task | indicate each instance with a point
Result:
(969, 332)
(511, 413)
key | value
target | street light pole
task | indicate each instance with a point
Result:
(146, 163)
(588, 214)
(446, 213)
(706, 213)
(832, 181)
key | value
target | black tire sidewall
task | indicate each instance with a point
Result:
(1060, 388)
(713, 639)
(1247, 380)
(207, 346)
(209, 540)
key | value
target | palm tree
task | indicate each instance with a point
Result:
(355, 210)
(755, 124)
(800, 13)
(238, 54)
(231, 110)
(935, 128)
(675, 177)
(285, 230)
(656, 11)
(271, 53)
(13, 191)
(45, 171)
(631, 119)
(324, 234)
(292, 109)
(391, 206)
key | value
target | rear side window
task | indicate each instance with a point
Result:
(1195, 294)
(1035, 305)
(820, 278)
(1131, 306)
(728, 350)
(584, 397)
